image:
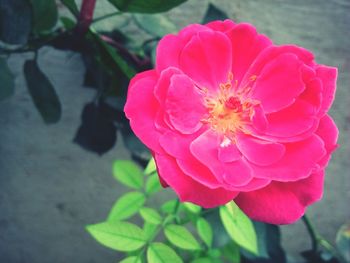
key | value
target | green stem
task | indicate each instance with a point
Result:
(106, 16)
(317, 241)
(314, 236)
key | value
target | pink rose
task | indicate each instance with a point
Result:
(229, 115)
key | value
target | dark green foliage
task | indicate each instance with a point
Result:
(42, 92)
(44, 15)
(213, 13)
(15, 21)
(149, 6)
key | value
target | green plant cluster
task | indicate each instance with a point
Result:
(173, 231)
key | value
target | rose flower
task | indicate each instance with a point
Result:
(228, 115)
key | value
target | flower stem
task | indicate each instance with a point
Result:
(86, 15)
(312, 232)
(318, 241)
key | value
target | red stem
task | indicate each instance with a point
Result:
(86, 15)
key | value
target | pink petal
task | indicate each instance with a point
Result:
(177, 145)
(282, 203)
(259, 120)
(184, 105)
(229, 153)
(273, 52)
(313, 93)
(170, 46)
(291, 121)
(141, 108)
(328, 132)
(162, 122)
(222, 26)
(189, 190)
(207, 59)
(328, 75)
(246, 46)
(300, 159)
(205, 149)
(279, 83)
(258, 151)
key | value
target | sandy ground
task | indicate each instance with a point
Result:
(50, 188)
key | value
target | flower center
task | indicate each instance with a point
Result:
(230, 109)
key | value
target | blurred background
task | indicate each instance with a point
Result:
(51, 187)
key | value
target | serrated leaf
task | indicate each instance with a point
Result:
(161, 253)
(142, 6)
(150, 215)
(181, 237)
(152, 184)
(151, 167)
(132, 259)
(168, 207)
(122, 236)
(239, 227)
(15, 21)
(128, 173)
(42, 92)
(205, 231)
(157, 25)
(44, 15)
(195, 209)
(126, 206)
(213, 13)
(6, 80)
(149, 230)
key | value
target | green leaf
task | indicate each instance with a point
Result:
(132, 259)
(239, 227)
(6, 80)
(152, 184)
(72, 6)
(150, 215)
(42, 92)
(142, 6)
(195, 209)
(231, 252)
(269, 243)
(161, 253)
(44, 15)
(126, 206)
(343, 241)
(202, 260)
(128, 173)
(15, 21)
(213, 13)
(151, 167)
(122, 236)
(181, 237)
(169, 206)
(149, 230)
(67, 22)
(157, 25)
(205, 231)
